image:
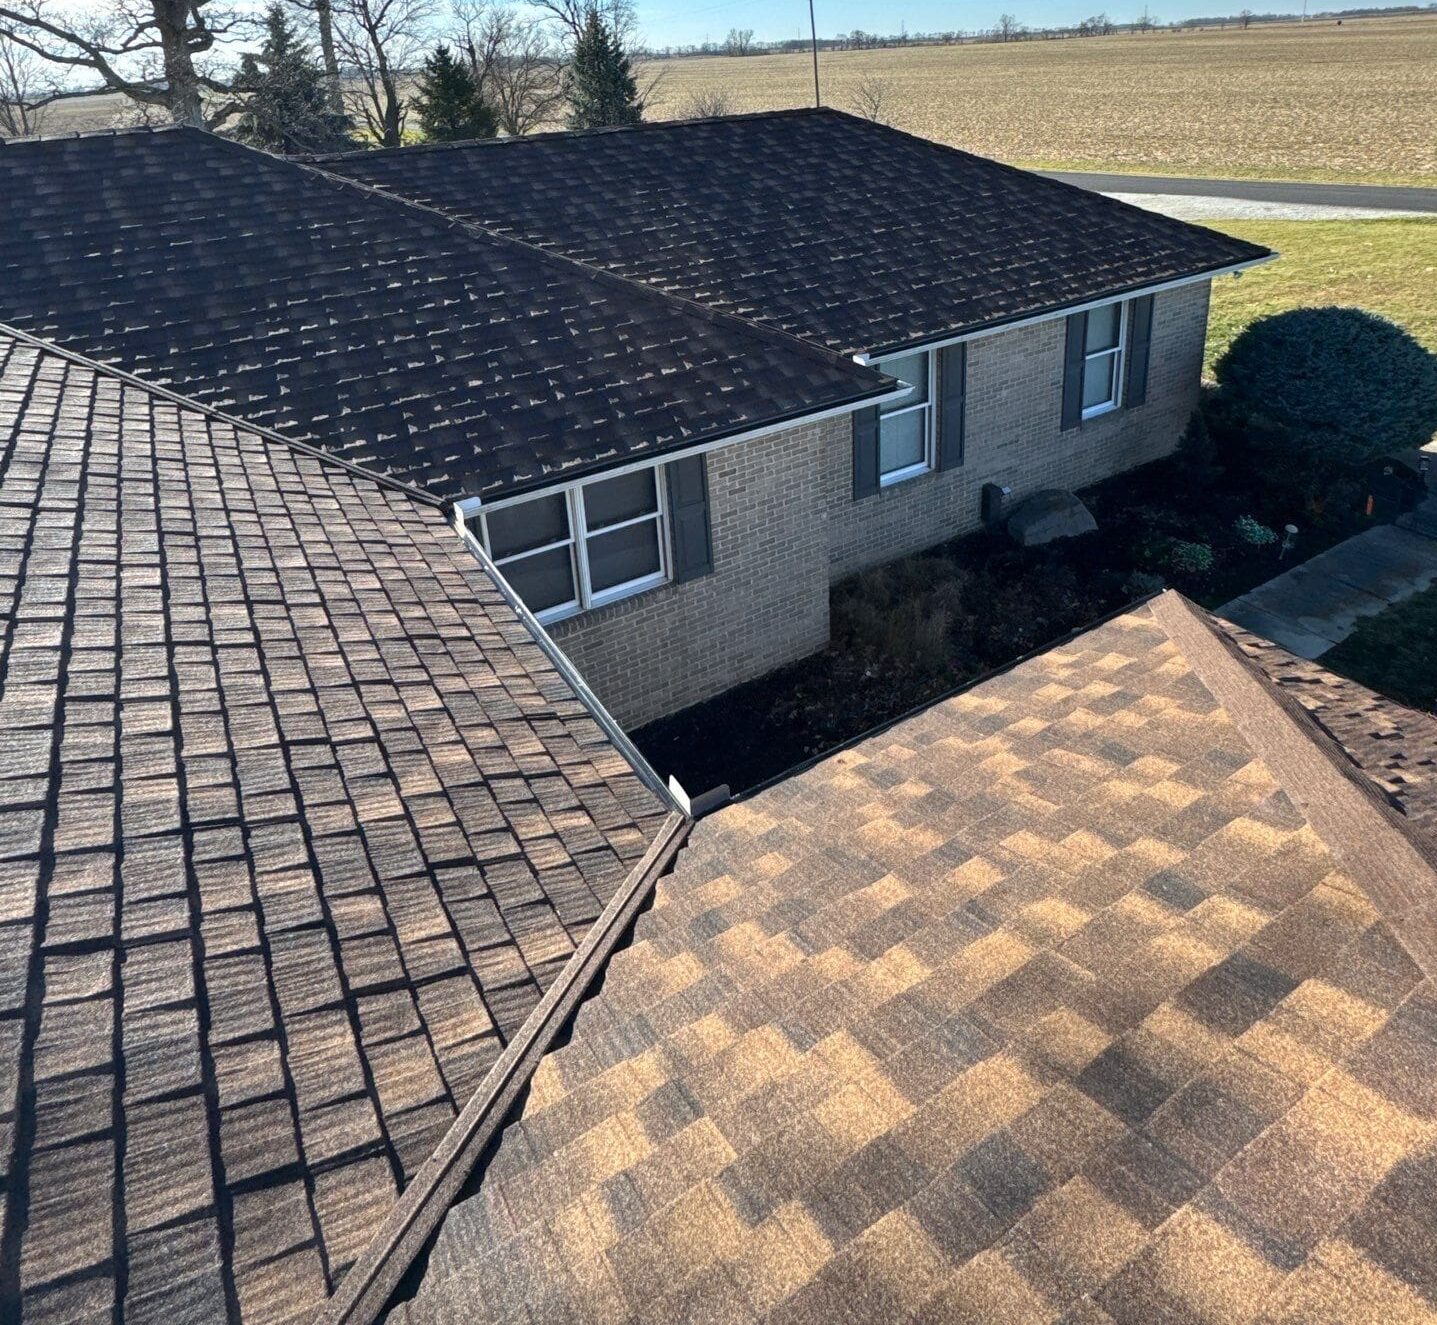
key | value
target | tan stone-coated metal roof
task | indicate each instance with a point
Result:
(298, 822)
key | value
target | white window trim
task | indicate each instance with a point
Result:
(1119, 355)
(930, 429)
(577, 543)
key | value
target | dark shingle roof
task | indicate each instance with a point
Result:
(1089, 995)
(847, 233)
(297, 823)
(1393, 745)
(463, 362)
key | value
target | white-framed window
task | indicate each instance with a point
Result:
(1104, 345)
(582, 545)
(906, 428)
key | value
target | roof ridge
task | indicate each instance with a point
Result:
(210, 411)
(417, 1213)
(550, 135)
(613, 278)
(1395, 867)
(124, 132)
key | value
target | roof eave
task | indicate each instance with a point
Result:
(1055, 311)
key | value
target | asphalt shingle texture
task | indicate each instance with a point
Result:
(1394, 746)
(297, 822)
(844, 232)
(1045, 1005)
(461, 362)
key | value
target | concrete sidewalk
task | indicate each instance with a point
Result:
(1319, 603)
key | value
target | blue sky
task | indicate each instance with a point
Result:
(672, 23)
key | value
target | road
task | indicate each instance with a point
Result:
(1374, 197)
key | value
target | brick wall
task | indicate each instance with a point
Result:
(785, 524)
(765, 604)
(1015, 382)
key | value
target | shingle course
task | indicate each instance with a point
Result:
(276, 736)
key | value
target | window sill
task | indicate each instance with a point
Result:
(612, 598)
(903, 475)
(1097, 411)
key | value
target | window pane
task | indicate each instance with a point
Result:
(901, 441)
(543, 580)
(624, 555)
(613, 500)
(1103, 324)
(527, 524)
(1098, 380)
(909, 368)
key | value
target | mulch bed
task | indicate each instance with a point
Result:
(907, 633)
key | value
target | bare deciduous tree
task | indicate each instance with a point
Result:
(381, 41)
(23, 90)
(1008, 28)
(738, 42)
(871, 97)
(153, 51)
(620, 15)
(1244, 19)
(323, 11)
(513, 63)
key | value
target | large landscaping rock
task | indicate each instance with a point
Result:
(1052, 513)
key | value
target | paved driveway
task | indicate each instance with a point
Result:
(1187, 208)
(1319, 603)
(1368, 197)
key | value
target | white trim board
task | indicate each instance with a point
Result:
(467, 506)
(1236, 269)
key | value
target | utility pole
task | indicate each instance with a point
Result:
(813, 32)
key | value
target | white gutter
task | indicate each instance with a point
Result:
(467, 506)
(921, 347)
(570, 673)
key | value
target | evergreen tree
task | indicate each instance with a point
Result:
(599, 82)
(288, 107)
(449, 105)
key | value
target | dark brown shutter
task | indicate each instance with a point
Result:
(1073, 370)
(689, 529)
(952, 390)
(1140, 335)
(865, 453)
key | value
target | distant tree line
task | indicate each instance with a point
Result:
(1006, 28)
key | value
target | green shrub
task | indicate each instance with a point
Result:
(1185, 558)
(1311, 394)
(1142, 584)
(1253, 532)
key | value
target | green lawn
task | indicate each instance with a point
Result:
(1394, 652)
(1388, 266)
